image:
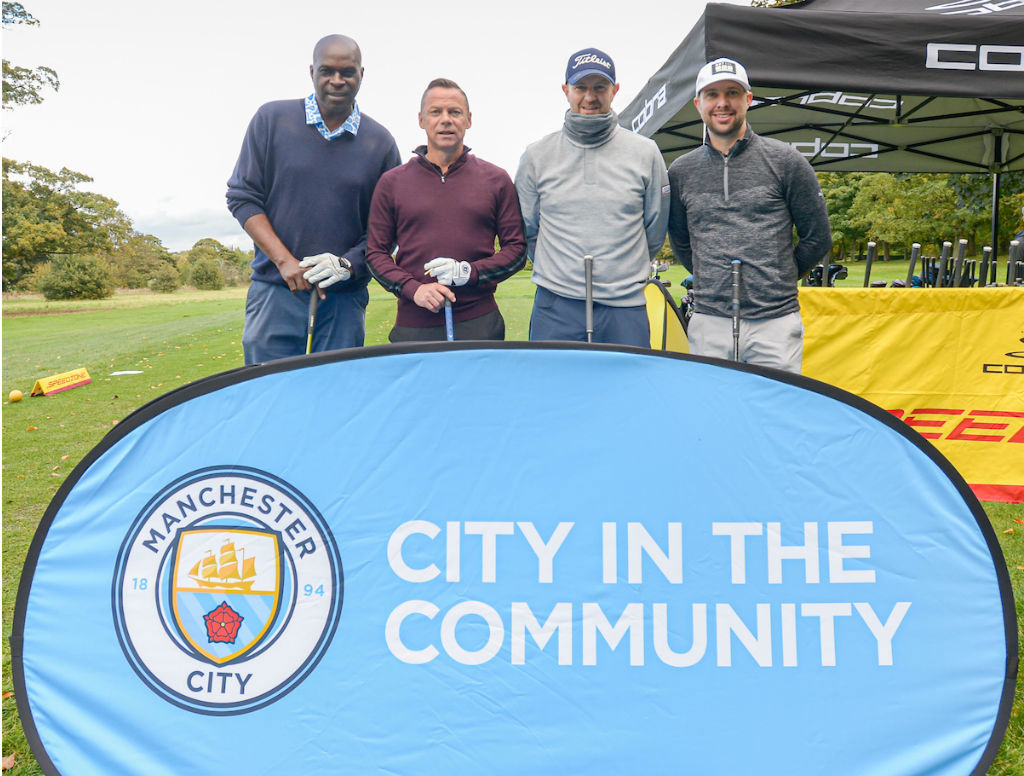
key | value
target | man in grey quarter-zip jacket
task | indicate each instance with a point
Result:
(738, 197)
(592, 188)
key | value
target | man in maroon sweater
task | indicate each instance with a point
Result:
(433, 222)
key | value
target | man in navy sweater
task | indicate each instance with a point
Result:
(443, 210)
(301, 189)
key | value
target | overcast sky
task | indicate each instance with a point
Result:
(155, 98)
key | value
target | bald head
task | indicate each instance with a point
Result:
(339, 43)
(337, 73)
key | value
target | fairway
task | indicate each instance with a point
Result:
(167, 341)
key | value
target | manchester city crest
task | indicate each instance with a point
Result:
(224, 603)
(227, 591)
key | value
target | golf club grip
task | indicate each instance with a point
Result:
(449, 320)
(986, 258)
(588, 270)
(915, 251)
(314, 302)
(735, 307)
(449, 324)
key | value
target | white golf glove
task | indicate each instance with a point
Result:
(448, 272)
(327, 269)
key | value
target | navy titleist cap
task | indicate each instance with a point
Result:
(589, 61)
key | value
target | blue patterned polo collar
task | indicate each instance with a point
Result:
(313, 117)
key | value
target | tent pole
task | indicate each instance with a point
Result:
(995, 214)
(996, 167)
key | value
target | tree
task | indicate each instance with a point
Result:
(232, 263)
(921, 207)
(206, 274)
(75, 277)
(839, 189)
(22, 85)
(901, 209)
(166, 280)
(139, 261)
(44, 213)
(973, 192)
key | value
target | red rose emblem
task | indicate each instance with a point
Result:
(222, 624)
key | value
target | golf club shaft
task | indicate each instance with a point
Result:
(915, 251)
(943, 261)
(449, 325)
(314, 301)
(736, 264)
(588, 269)
(958, 266)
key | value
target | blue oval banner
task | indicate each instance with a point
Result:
(462, 559)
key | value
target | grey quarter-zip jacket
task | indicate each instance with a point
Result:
(593, 188)
(744, 206)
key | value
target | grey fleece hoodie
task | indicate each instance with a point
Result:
(593, 188)
(744, 206)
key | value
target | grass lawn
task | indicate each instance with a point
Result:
(170, 340)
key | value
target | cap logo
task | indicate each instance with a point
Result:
(723, 67)
(586, 59)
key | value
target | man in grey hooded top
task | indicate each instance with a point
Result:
(592, 188)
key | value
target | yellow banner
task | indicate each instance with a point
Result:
(62, 382)
(949, 362)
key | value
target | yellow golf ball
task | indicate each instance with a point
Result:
(15, 396)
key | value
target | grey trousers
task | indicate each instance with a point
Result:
(775, 342)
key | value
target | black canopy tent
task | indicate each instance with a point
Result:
(866, 85)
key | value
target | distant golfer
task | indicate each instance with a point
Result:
(443, 210)
(739, 197)
(592, 188)
(301, 189)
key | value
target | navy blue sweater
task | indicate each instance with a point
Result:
(315, 192)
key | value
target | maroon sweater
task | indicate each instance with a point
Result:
(456, 215)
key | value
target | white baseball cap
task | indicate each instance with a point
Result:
(722, 69)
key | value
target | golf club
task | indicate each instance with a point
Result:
(958, 266)
(314, 301)
(449, 326)
(970, 270)
(943, 261)
(588, 268)
(872, 247)
(736, 264)
(1011, 263)
(915, 251)
(986, 258)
